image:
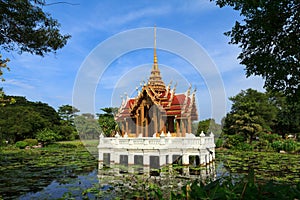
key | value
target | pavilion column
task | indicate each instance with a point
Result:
(170, 124)
(183, 125)
(155, 120)
(142, 119)
(189, 125)
(146, 128)
(162, 124)
(137, 124)
(122, 128)
(126, 127)
(178, 127)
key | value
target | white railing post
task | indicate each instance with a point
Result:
(162, 138)
(101, 136)
(202, 138)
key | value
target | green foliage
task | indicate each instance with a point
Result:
(288, 117)
(20, 122)
(3, 65)
(21, 144)
(289, 145)
(47, 136)
(252, 112)
(268, 166)
(31, 142)
(219, 143)
(269, 38)
(24, 119)
(233, 141)
(226, 187)
(237, 188)
(265, 141)
(274, 141)
(262, 115)
(62, 145)
(29, 171)
(87, 127)
(36, 31)
(209, 125)
(107, 122)
(277, 145)
(66, 132)
(269, 137)
(67, 113)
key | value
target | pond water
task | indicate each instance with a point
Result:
(74, 187)
(30, 171)
(53, 174)
(88, 185)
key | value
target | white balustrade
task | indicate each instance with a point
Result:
(165, 145)
(201, 142)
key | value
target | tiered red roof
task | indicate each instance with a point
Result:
(178, 105)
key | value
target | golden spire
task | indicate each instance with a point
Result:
(155, 80)
(155, 65)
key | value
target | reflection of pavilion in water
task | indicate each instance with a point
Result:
(167, 180)
(156, 129)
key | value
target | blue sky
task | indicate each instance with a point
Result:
(51, 79)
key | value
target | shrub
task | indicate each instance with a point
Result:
(286, 145)
(66, 132)
(219, 143)
(244, 147)
(298, 137)
(277, 145)
(289, 145)
(31, 142)
(262, 145)
(233, 141)
(269, 137)
(3, 143)
(21, 144)
(68, 145)
(47, 136)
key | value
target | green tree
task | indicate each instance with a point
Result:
(269, 37)
(252, 112)
(24, 119)
(107, 122)
(47, 136)
(25, 27)
(87, 126)
(288, 117)
(67, 113)
(209, 125)
(20, 122)
(3, 65)
(67, 129)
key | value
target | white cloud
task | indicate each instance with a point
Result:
(21, 84)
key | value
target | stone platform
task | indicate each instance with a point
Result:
(152, 153)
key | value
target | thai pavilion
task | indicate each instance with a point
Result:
(157, 108)
(156, 129)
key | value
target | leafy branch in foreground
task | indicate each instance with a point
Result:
(269, 37)
(26, 28)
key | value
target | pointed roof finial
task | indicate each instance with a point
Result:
(155, 65)
(155, 80)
